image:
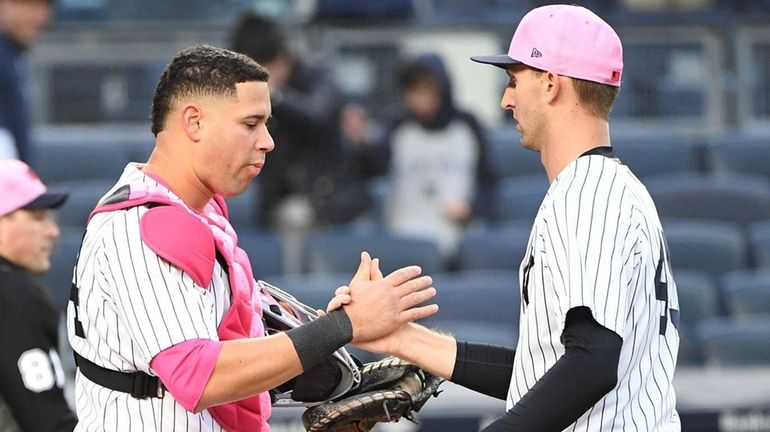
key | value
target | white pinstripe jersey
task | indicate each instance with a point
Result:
(597, 242)
(133, 305)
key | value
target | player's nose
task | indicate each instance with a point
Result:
(507, 102)
(265, 142)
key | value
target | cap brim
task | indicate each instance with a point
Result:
(48, 200)
(501, 61)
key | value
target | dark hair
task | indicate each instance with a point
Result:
(414, 73)
(201, 70)
(258, 37)
(598, 98)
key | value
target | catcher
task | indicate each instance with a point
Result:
(343, 395)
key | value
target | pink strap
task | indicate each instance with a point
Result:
(182, 239)
(185, 369)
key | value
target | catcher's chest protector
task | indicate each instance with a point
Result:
(190, 240)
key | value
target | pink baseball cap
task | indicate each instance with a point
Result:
(566, 39)
(21, 188)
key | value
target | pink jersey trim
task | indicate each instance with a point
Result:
(185, 369)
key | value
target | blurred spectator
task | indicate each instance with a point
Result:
(31, 376)
(306, 105)
(436, 158)
(21, 22)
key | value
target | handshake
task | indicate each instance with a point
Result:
(343, 395)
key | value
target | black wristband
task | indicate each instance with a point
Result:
(317, 340)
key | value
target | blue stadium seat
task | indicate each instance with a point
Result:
(698, 297)
(340, 251)
(493, 247)
(83, 196)
(57, 161)
(759, 241)
(729, 343)
(733, 198)
(265, 251)
(715, 248)
(490, 297)
(746, 155)
(59, 277)
(509, 158)
(698, 302)
(656, 154)
(519, 198)
(314, 290)
(242, 208)
(747, 293)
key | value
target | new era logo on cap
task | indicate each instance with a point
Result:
(536, 53)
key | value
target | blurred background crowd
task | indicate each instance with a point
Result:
(387, 139)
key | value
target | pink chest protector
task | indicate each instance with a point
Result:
(190, 241)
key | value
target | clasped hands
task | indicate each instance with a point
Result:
(379, 307)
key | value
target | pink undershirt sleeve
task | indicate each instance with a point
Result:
(185, 369)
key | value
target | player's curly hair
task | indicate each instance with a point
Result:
(201, 70)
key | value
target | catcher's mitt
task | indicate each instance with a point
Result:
(390, 389)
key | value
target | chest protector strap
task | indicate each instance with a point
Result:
(190, 241)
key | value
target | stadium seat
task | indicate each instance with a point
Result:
(698, 302)
(736, 199)
(729, 343)
(265, 251)
(480, 296)
(715, 248)
(56, 161)
(242, 208)
(747, 293)
(654, 155)
(315, 290)
(509, 158)
(519, 198)
(493, 247)
(740, 156)
(759, 242)
(340, 251)
(83, 196)
(698, 297)
(59, 277)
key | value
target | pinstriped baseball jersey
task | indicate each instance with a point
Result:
(597, 242)
(127, 320)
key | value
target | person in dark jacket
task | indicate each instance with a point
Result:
(31, 376)
(21, 22)
(306, 103)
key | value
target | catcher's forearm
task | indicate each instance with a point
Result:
(247, 367)
(484, 368)
(317, 340)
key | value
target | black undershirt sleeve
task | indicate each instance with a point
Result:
(484, 368)
(578, 380)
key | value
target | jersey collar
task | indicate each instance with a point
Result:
(605, 151)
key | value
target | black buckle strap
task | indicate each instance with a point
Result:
(138, 384)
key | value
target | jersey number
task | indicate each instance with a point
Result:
(661, 293)
(40, 371)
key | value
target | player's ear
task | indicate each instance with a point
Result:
(190, 119)
(552, 83)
